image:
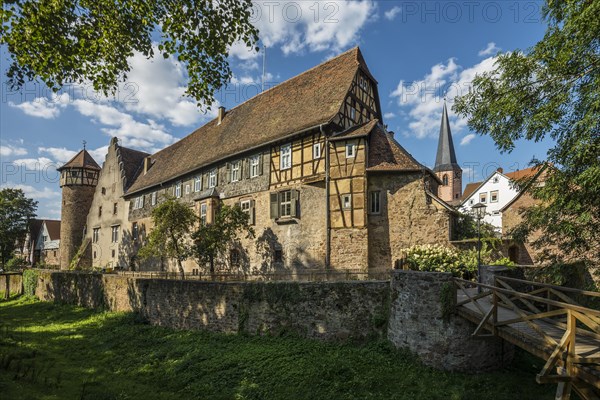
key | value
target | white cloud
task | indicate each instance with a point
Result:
(122, 125)
(33, 192)
(36, 164)
(491, 49)
(61, 155)
(9, 150)
(43, 107)
(317, 26)
(242, 52)
(391, 14)
(467, 139)
(389, 115)
(424, 98)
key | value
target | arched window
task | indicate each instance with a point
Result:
(445, 180)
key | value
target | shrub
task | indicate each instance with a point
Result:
(15, 263)
(504, 261)
(30, 279)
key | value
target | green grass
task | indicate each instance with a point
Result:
(50, 351)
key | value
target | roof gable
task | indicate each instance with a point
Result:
(83, 159)
(386, 154)
(305, 101)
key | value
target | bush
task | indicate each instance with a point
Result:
(15, 264)
(30, 279)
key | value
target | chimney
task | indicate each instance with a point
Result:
(221, 114)
(147, 164)
(501, 170)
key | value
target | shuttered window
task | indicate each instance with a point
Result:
(285, 204)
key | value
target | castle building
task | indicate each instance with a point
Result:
(325, 185)
(446, 167)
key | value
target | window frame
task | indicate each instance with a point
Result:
(203, 213)
(285, 205)
(372, 195)
(347, 198)
(317, 151)
(236, 168)
(497, 194)
(153, 198)
(197, 184)
(254, 166)
(285, 153)
(178, 190)
(188, 188)
(114, 233)
(484, 197)
(351, 146)
(212, 178)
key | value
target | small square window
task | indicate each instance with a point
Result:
(483, 198)
(350, 150)
(494, 196)
(316, 151)
(347, 201)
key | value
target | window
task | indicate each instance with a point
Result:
(153, 198)
(197, 184)
(375, 203)
(247, 206)
(134, 231)
(44, 238)
(99, 211)
(235, 171)
(285, 160)
(203, 212)
(494, 196)
(471, 202)
(103, 190)
(113, 253)
(278, 255)
(483, 197)
(138, 203)
(350, 150)
(234, 257)
(187, 189)
(95, 235)
(496, 179)
(254, 166)
(316, 151)
(54, 253)
(94, 253)
(212, 178)
(115, 234)
(347, 201)
(178, 190)
(353, 111)
(284, 204)
(445, 180)
(115, 208)
(495, 212)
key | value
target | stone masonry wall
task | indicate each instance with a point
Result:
(417, 322)
(325, 311)
(15, 284)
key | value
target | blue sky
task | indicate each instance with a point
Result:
(417, 50)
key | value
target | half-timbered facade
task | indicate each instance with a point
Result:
(311, 163)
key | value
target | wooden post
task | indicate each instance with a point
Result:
(7, 286)
(494, 313)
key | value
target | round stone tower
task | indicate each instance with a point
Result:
(78, 180)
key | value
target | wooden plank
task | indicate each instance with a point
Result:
(532, 317)
(483, 321)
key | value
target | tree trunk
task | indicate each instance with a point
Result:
(181, 272)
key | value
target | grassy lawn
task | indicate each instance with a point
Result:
(50, 351)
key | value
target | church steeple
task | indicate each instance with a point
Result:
(446, 167)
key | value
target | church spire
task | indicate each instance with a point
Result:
(445, 159)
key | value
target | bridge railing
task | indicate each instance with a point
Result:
(541, 302)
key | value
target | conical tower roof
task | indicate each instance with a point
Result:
(445, 159)
(83, 159)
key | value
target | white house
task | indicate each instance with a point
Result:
(47, 244)
(495, 192)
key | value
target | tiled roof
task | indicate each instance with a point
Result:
(53, 227)
(356, 131)
(83, 159)
(386, 154)
(469, 189)
(133, 162)
(523, 173)
(307, 100)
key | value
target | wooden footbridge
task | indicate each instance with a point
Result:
(560, 325)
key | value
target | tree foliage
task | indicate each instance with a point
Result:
(16, 211)
(170, 236)
(552, 90)
(212, 240)
(80, 41)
